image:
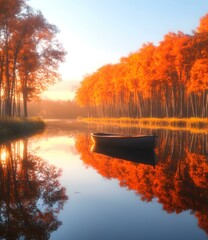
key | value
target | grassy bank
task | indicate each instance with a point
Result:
(17, 127)
(193, 124)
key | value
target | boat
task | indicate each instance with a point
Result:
(124, 141)
(147, 157)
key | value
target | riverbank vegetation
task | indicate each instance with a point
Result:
(30, 55)
(191, 124)
(169, 80)
(17, 127)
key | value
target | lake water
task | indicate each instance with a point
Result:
(54, 186)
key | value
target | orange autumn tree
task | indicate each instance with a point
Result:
(203, 26)
(198, 86)
(139, 80)
(155, 81)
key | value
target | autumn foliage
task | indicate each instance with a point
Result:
(29, 56)
(168, 80)
(178, 181)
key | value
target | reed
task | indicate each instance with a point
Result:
(16, 127)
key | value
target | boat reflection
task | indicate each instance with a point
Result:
(147, 157)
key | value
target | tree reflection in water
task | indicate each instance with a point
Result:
(178, 181)
(30, 194)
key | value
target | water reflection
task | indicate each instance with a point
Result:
(135, 155)
(179, 180)
(31, 195)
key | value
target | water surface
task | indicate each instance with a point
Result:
(54, 187)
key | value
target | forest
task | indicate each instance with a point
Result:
(167, 80)
(30, 55)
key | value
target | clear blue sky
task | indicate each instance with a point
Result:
(97, 32)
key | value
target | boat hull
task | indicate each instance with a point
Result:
(113, 140)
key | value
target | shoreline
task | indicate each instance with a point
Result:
(12, 128)
(185, 124)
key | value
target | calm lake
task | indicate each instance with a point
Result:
(54, 185)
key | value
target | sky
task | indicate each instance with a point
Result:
(98, 32)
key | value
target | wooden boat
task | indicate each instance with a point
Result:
(123, 141)
(147, 157)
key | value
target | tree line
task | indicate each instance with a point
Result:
(167, 80)
(30, 55)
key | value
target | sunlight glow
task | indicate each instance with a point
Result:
(58, 95)
(82, 59)
(63, 90)
(55, 148)
(3, 155)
